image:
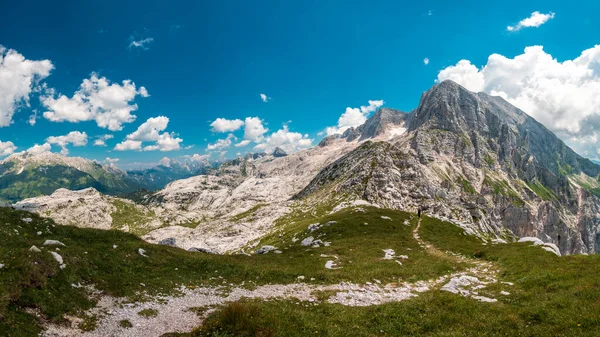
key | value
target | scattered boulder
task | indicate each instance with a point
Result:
(142, 252)
(53, 243)
(27, 220)
(550, 247)
(386, 217)
(168, 242)
(200, 250)
(308, 241)
(35, 249)
(59, 259)
(1, 265)
(314, 227)
(329, 223)
(331, 265)
(265, 249)
(390, 254)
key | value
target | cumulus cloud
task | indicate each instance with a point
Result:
(75, 138)
(151, 131)
(19, 77)
(265, 98)
(111, 160)
(226, 125)
(535, 20)
(564, 96)
(426, 61)
(198, 157)
(254, 129)
(140, 44)
(354, 117)
(110, 105)
(39, 149)
(221, 144)
(285, 139)
(129, 145)
(101, 140)
(7, 148)
(243, 143)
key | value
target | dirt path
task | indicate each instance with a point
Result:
(471, 282)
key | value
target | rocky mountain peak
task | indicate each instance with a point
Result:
(449, 106)
(279, 152)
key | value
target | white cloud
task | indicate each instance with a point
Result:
(226, 125)
(7, 148)
(141, 44)
(19, 77)
(254, 129)
(111, 160)
(129, 145)
(285, 139)
(243, 143)
(75, 138)
(564, 96)
(221, 144)
(354, 117)
(426, 61)
(32, 118)
(535, 20)
(101, 140)
(198, 157)
(151, 131)
(110, 105)
(39, 149)
(465, 74)
(265, 98)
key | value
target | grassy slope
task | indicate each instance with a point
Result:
(551, 296)
(34, 280)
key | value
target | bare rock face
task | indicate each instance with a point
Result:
(84, 208)
(478, 160)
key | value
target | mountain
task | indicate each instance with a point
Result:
(478, 160)
(24, 175)
(465, 157)
(169, 170)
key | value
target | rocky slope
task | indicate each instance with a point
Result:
(478, 160)
(467, 157)
(89, 208)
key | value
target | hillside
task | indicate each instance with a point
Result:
(380, 268)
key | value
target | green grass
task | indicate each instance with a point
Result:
(148, 313)
(466, 186)
(541, 191)
(551, 296)
(501, 187)
(244, 215)
(128, 215)
(34, 280)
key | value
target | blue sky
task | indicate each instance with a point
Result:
(204, 60)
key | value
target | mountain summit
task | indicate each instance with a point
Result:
(478, 160)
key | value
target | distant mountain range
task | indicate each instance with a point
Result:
(25, 175)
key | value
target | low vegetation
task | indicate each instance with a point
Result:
(550, 296)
